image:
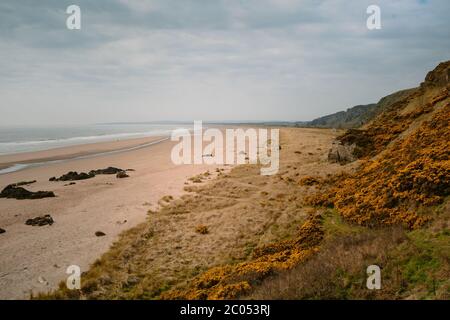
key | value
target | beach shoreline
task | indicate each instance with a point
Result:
(34, 259)
(76, 151)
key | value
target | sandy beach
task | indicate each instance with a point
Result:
(35, 259)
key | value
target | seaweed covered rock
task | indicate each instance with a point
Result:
(13, 192)
(109, 170)
(73, 176)
(40, 221)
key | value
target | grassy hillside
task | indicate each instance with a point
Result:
(399, 194)
(357, 116)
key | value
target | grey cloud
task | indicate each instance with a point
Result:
(168, 59)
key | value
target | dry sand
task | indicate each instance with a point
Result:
(34, 259)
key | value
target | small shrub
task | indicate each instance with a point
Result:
(202, 229)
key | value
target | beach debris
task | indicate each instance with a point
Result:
(122, 174)
(121, 222)
(12, 191)
(2, 230)
(130, 170)
(109, 170)
(42, 280)
(40, 221)
(73, 175)
(100, 234)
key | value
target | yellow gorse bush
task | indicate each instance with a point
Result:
(231, 281)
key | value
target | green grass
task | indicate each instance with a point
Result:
(334, 225)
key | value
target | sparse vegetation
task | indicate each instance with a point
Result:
(202, 229)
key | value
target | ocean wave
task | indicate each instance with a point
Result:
(20, 166)
(46, 144)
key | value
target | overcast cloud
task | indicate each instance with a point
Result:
(147, 60)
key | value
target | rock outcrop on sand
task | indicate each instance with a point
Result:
(13, 192)
(2, 230)
(40, 221)
(109, 170)
(73, 176)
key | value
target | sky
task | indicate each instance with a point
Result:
(210, 60)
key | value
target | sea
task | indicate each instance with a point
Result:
(18, 139)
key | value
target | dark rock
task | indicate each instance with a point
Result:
(109, 170)
(72, 176)
(100, 234)
(122, 174)
(11, 191)
(2, 230)
(69, 184)
(23, 183)
(40, 221)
